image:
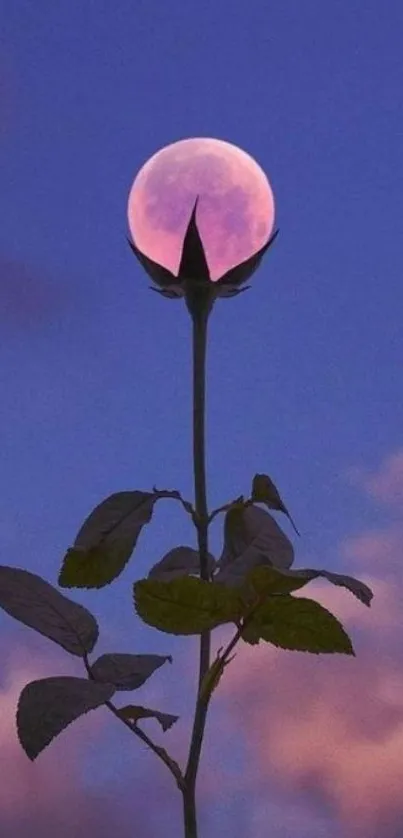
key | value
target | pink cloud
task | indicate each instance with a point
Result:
(330, 727)
(386, 483)
(295, 744)
(51, 794)
(48, 796)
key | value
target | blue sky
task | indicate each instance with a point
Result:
(304, 371)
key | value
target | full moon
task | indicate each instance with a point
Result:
(235, 210)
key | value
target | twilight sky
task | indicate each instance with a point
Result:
(304, 383)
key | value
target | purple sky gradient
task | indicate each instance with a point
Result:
(304, 383)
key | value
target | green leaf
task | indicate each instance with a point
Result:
(251, 537)
(185, 605)
(264, 491)
(213, 676)
(359, 589)
(48, 706)
(301, 625)
(134, 712)
(181, 561)
(34, 602)
(127, 672)
(106, 540)
(251, 634)
(270, 581)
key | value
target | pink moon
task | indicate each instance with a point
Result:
(235, 211)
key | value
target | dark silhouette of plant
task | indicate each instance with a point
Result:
(188, 592)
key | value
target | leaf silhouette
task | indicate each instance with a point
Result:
(251, 537)
(181, 561)
(268, 581)
(359, 589)
(34, 602)
(213, 676)
(48, 706)
(107, 539)
(264, 491)
(242, 272)
(271, 581)
(162, 276)
(127, 672)
(300, 625)
(134, 712)
(185, 605)
(193, 263)
(174, 292)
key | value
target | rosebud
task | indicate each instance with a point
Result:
(193, 280)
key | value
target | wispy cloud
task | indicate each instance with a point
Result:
(385, 483)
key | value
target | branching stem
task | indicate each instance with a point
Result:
(159, 751)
